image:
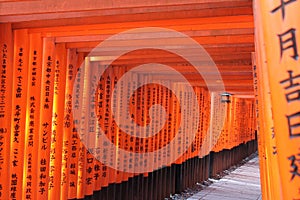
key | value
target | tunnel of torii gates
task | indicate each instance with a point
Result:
(143, 99)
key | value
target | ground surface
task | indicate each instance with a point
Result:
(238, 183)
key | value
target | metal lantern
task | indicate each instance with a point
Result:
(225, 97)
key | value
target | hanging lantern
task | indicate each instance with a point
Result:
(225, 97)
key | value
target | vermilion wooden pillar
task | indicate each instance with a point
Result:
(6, 63)
(18, 115)
(279, 23)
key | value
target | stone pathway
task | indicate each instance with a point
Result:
(242, 183)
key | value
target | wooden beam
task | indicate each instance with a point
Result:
(213, 23)
(230, 69)
(228, 8)
(174, 62)
(245, 62)
(205, 40)
(177, 61)
(194, 33)
(234, 89)
(157, 55)
(228, 79)
(3, 1)
(211, 49)
(242, 75)
(125, 15)
(58, 6)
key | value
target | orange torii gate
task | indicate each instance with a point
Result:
(42, 154)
